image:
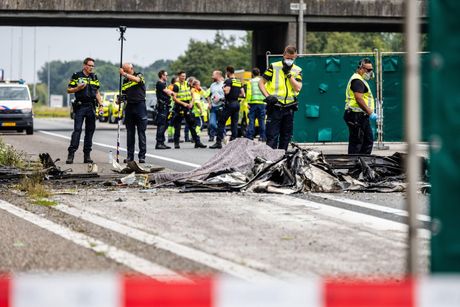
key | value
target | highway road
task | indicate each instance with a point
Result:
(170, 235)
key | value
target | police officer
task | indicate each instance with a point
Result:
(135, 111)
(85, 85)
(233, 89)
(281, 84)
(359, 109)
(163, 103)
(255, 100)
(182, 110)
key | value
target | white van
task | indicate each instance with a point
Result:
(16, 107)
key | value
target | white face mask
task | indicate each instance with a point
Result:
(288, 62)
(369, 75)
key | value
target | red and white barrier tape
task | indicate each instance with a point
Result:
(78, 290)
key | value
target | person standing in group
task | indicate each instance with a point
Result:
(197, 110)
(182, 110)
(359, 109)
(186, 127)
(281, 84)
(163, 103)
(233, 89)
(174, 79)
(255, 100)
(85, 85)
(215, 102)
(135, 111)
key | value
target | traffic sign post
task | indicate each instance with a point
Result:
(301, 7)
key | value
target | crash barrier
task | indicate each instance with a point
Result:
(322, 99)
(78, 290)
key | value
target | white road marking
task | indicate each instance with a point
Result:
(125, 258)
(183, 251)
(362, 204)
(124, 150)
(361, 219)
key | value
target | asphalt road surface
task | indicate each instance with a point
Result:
(170, 235)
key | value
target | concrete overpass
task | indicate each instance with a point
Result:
(273, 24)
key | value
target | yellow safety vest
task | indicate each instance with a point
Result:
(350, 100)
(280, 86)
(253, 93)
(184, 93)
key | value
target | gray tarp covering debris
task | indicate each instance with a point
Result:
(244, 165)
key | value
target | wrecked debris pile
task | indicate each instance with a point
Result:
(298, 170)
(237, 156)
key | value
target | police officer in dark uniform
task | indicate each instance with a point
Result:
(135, 111)
(85, 85)
(233, 90)
(163, 103)
(281, 84)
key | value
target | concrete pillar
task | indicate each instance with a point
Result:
(272, 38)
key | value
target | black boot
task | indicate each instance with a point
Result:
(70, 157)
(198, 144)
(217, 145)
(176, 145)
(87, 158)
(161, 146)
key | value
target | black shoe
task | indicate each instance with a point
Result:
(70, 157)
(170, 141)
(217, 145)
(162, 146)
(142, 161)
(200, 145)
(127, 160)
(176, 145)
(211, 139)
(87, 159)
(187, 140)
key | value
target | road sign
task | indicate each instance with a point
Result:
(296, 6)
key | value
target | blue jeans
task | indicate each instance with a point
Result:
(256, 110)
(214, 115)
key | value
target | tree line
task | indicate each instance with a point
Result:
(202, 57)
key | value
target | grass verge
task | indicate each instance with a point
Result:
(45, 111)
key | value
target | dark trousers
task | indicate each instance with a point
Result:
(231, 110)
(256, 111)
(84, 112)
(162, 122)
(182, 113)
(360, 139)
(280, 124)
(136, 118)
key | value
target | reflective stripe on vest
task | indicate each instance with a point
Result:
(350, 100)
(130, 83)
(280, 86)
(184, 93)
(256, 95)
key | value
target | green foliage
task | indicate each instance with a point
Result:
(348, 42)
(201, 58)
(107, 72)
(10, 156)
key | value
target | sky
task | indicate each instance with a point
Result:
(142, 46)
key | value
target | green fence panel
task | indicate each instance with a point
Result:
(445, 151)
(393, 96)
(322, 99)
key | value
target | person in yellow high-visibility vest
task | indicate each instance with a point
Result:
(255, 100)
(281, 84)
(359, 109)
(182, 110)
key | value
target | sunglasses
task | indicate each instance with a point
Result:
(368, 69)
